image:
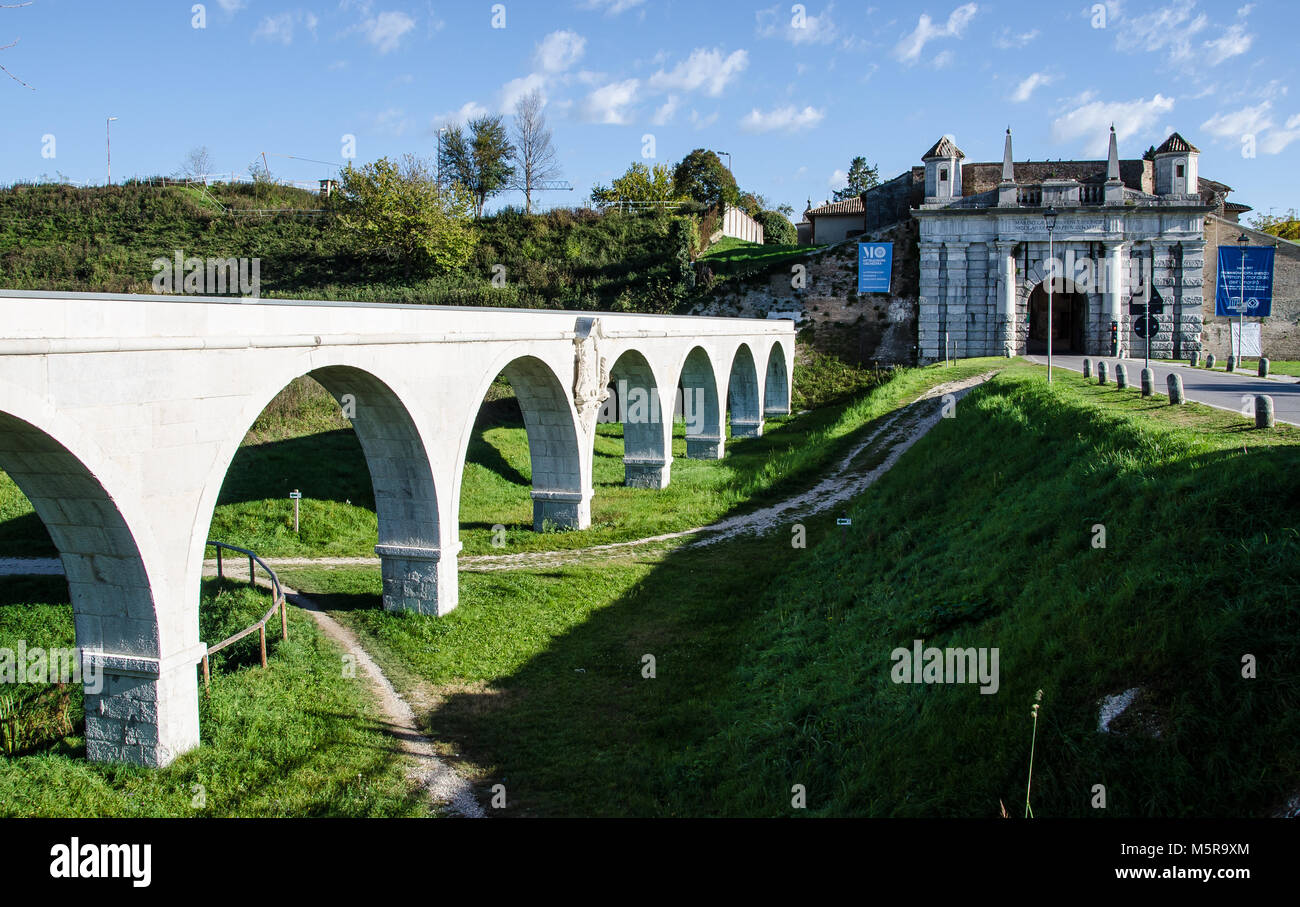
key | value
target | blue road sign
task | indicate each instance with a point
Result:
(1258, 286)
(875, 265)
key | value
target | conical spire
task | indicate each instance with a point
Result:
(1008, 168)
(1112, 159)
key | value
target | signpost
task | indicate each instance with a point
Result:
(297, 496)
(1245, 284)
(875, 266)
(842, 522)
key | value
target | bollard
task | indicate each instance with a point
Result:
(1121, 376)
(1194, 359)
(1087, 368)
(1209, 361)
(1230, 364)
(1263, 411)
(1263, 367)
(1148, 382)
(1176, 397)
(1101, 372)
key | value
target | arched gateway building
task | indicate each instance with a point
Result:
(1134, 228)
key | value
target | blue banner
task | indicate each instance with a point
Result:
(1258, 282)
(875, 265)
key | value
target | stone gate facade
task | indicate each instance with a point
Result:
(1118, 255)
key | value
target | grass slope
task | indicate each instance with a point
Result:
(773, 663)
(104, 239)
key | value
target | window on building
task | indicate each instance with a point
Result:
(943, 174)
(1178, 171)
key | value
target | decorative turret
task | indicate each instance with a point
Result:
(1176, 167)
(1114, 187)
(943, 171)
(1007, 193)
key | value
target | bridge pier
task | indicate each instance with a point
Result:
(647, 472)
(746, 428)
(705, 448)
(143, 711)
(561, 510)
(422, 580)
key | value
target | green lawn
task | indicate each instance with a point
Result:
(296, 738)
(736, 256)
(773, 664)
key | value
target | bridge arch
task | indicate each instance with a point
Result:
(637, 400)
(744, 395)
(561, 474)
(138, 707)
(776, 387)
(419, 572)
(698, 381)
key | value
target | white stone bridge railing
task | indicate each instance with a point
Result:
(120, 415)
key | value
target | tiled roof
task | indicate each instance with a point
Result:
(943, 148)
(848, 206)
(1177, 144)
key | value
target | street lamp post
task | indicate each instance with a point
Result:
(728, 154)
(108, 145)
(1049, 218)
(1243, 241)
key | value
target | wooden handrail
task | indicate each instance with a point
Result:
(277, 601)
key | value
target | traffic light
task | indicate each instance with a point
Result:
(1114, 338)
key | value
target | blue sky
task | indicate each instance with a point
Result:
(791, 91)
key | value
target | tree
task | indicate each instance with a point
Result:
(12, 43)
(1149, 154)
(861, 178)
(197, 163)
(777, 230)
(535, 156)
(1283, 227)
(702, 177)
(638, 186)
(480, 161)
(400, 210)
(260, 173)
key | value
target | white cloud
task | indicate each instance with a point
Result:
(787, 119)
(611, 7)
(385, 30)
(275, 28)
(909, 49)
(943, 59)
(608, 104)
(1090, 122)
(664, 115)
(559, 50)
(515, 89)
(231, 6)
(1239, 122)
(839, 179)
(699, 122)
(1277, 140)
(1009, 39)
(1169, 27)
(705, 70)
(1025, 89)
(1233, 42)
(468, 111)
(778, 22)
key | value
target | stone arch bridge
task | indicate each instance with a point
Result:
(119, 416)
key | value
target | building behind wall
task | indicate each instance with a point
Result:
(1133, 238)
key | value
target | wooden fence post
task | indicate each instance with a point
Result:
(261, 636)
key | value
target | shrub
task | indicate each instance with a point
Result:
(777, 229)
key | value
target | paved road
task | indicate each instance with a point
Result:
(1221, 389)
